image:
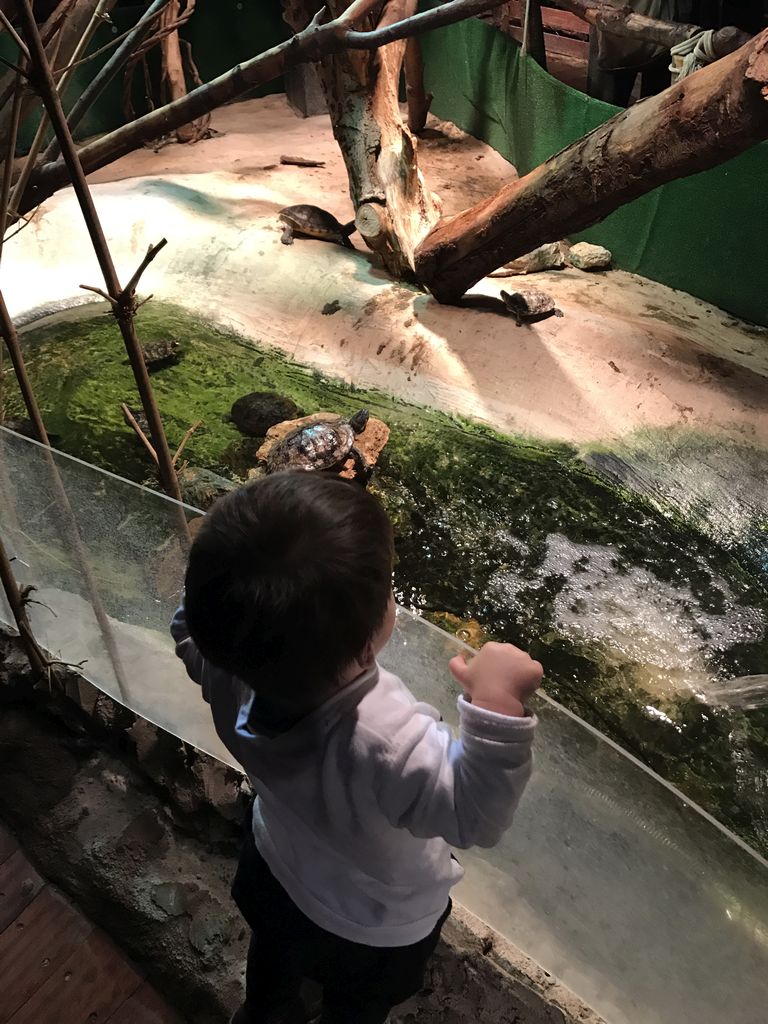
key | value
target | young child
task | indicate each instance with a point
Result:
(361, 791)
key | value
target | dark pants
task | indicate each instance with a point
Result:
(616, 86)
(360, 983)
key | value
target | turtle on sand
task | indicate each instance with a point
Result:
(529, 306)
(323, 446)
(311, 222)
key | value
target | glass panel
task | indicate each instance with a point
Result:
(610, 879)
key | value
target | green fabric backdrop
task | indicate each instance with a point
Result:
(707, 234)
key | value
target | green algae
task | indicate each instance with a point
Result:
(475, 514)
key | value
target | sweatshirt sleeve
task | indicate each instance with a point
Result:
(465, 790)
(198, 669)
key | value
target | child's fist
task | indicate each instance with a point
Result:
(499, 678)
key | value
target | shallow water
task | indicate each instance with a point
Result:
(637, 612)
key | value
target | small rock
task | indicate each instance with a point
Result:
(255, 413)
(546, 257)
(585, 256)
(27, 887)
(331, 307)
(170, 897)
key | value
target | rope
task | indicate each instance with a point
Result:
(692, 54)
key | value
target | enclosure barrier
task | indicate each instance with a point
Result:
(614, 882)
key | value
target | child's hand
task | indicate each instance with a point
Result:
(499, 678)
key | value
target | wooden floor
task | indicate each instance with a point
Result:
(55, 966)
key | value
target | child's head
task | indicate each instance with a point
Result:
(289, 583)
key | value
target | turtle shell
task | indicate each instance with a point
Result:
(317, 446)
(255, 413)
(530, 302)
(312, 221)
(158, 354)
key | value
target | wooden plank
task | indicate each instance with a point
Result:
(554, 20)
(90, 985)
(558, 44)
(144, 1007)
(41, 939)
(19, 884)
(8, 844)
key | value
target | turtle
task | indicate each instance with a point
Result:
(159, 354)
(323, 446)
(312, 222)
(530, 306)
(255, 413)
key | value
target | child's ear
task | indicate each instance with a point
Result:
(368, 655)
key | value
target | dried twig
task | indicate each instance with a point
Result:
(5, 21)
(185, 439)
(5, 188)
(152, 251)
(131, 420)
(301, 161)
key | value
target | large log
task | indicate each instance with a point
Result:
(394, 209)
(620, 20)
(700, 122)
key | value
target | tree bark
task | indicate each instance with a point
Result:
(312, 43)
(394, 209)
(696, 124)
(620, 20)
(173, 68)
(419, 100)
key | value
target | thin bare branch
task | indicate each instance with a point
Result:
(5, 20)
(152, 251)
(101, 292)
(315, 41)
(185, 440)
(125, 309)
(5, 189)
(13, 67)
(131, 420)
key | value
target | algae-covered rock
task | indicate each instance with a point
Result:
(255, 413)
(585, 256)
(201, 487)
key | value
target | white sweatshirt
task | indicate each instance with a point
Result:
(358, 803)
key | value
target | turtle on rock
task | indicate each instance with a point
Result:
(323, 446)
(306, 221)
(529, 306)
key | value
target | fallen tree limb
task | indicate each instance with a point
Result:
(311, 44)
(698, 123)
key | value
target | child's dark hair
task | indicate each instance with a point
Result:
(288, 580)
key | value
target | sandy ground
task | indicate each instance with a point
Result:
(628, 353)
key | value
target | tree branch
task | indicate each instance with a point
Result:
(111, 69)
(698, 123)
(311, 44)
(124, 298)
(620, 20)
